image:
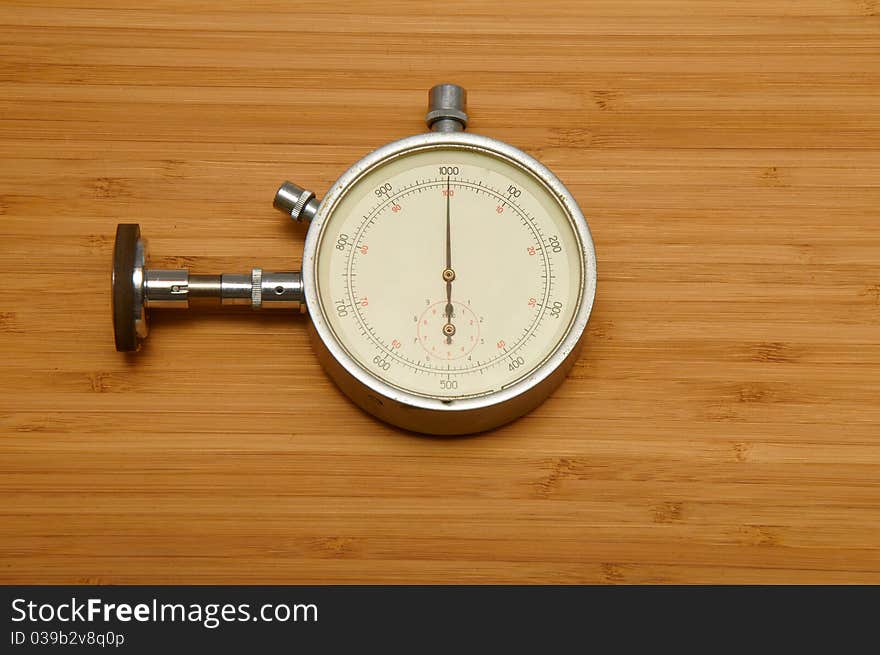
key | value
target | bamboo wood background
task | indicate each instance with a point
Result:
(723, 424)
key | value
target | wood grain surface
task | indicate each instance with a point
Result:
(722, 425)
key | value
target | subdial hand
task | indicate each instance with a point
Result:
(448, 272)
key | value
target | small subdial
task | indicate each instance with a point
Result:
(448, 339)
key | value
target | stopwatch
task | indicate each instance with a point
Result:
(449, 278)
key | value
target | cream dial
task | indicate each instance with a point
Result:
(449, 272)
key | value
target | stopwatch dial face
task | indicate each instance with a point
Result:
(449, 272)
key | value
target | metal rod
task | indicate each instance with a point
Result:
(175, 289)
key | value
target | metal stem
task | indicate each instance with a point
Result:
(298, 203)
(447, 107)
(175, 289)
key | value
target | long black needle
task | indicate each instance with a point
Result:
(449, 308)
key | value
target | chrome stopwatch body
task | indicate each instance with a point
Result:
(450, 414)
(449, 278)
